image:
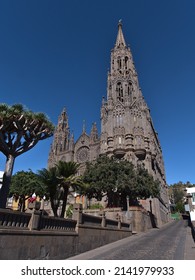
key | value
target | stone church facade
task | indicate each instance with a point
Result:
(127, 129)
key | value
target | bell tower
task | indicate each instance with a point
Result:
(127, 129)
(121, 113)
(122, 78)
(63, 143)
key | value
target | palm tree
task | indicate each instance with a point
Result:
(20, 131)
(59, 179)
(50, 180)
(67, 173)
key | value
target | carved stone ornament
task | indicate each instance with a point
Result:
(83, 154)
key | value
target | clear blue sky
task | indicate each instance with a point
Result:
(55, 54)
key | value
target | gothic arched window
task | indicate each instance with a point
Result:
(119, 62)
(130, 88)
(126, 62)
(119, 90)
(120, 120)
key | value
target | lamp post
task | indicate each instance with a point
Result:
(42, 203)
(75, 196)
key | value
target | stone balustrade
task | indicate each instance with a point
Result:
(14, 219)
(91, 220)
(51, 223)
(37, 221)
(112, 223)
(98, 221)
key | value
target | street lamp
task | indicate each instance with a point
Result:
(75, 196)
(42, 203)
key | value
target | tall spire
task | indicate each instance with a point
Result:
(63, 120)
(120, 41)
(94, 133)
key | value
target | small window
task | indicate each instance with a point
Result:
(119, 90)
(126, 62)
(119, 62)
(130, 87)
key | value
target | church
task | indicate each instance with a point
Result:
(127, 130)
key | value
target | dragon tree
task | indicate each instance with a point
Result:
(20, 130)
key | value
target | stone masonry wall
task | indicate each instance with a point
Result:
(23, 244)
(25, 236)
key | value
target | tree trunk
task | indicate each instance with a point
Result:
(64, 202)
(54, 207)
(4, 191)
